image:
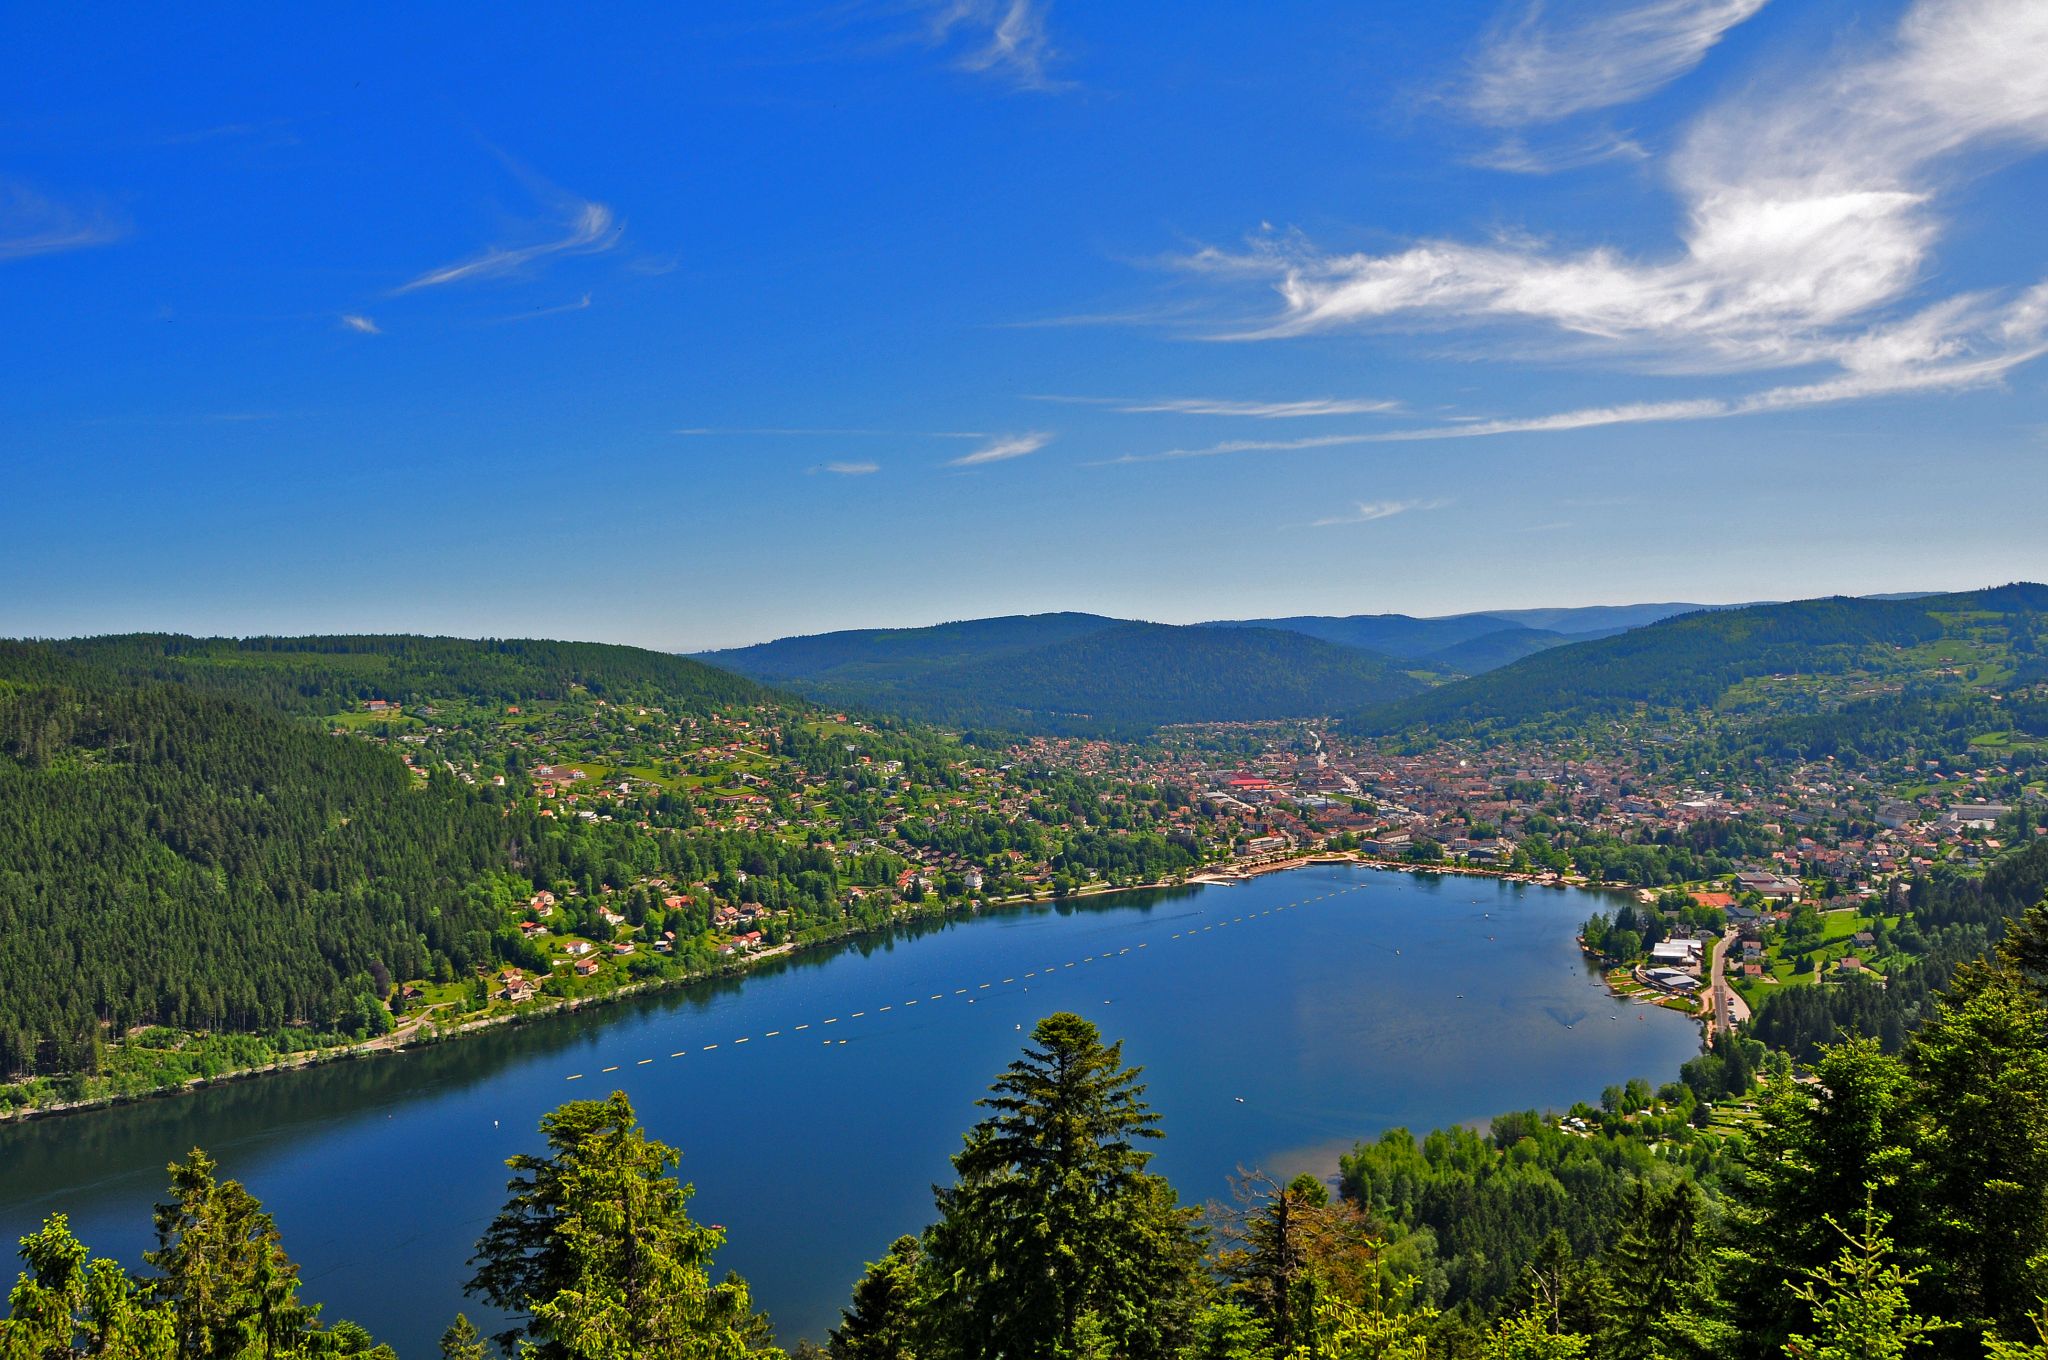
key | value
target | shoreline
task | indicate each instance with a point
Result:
(416, 1036)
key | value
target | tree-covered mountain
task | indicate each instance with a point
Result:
(1118, 678)
(1007, 671)
(884, 655)
(1806, 656)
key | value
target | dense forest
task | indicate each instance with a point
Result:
(175, 858)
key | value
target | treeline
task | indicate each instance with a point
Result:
(1897, 1206)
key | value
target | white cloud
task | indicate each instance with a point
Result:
(1522, 155)
(1230, 446)
(1810, 223)
(1009, 446)
(1920, 355)
(360, 324)
(589, 228)
(1533, 67)
(1223, 406)
(581, 304)
(31, 224)
(1367, 511)
(1011, 37)
(834, 431)
(849, 469)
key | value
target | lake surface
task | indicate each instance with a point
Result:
(1278, 1022)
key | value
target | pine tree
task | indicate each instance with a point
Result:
(1657, 1296)
(1054, 1231)
(596, 1249)
(1290, 1243)
(462, 1341)
(223, 1270)
(1527, 1336)
(1858, 1302)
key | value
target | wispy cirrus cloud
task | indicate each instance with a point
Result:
(34, 224)
(1006, 38)
(1230, 446)
(2023, 327)
(360, 324)
(587, 228)
(581, 304)
(1521, 154)
(1003, 449)
(838, 431)
(1534, 66)
(1222, 406)
(1810, 222)
(849, 469)
(1368, 512)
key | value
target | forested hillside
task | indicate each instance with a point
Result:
(179, 858)
(1135, 677)
(1808, 656)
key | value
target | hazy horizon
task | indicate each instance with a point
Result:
(372, 628)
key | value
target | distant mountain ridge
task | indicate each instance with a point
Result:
(1074, 671)
(1488, 670)
(1451, 643)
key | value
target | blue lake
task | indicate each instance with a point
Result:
(1278, 1022)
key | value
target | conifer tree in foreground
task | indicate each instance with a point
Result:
(1055, 1241)
(595, 1251)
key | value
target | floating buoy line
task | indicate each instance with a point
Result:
(1047, 971)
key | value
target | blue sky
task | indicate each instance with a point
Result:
(696, 325)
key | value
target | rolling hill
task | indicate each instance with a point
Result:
(892, 655)
(1077, 674)
(1806, 656)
